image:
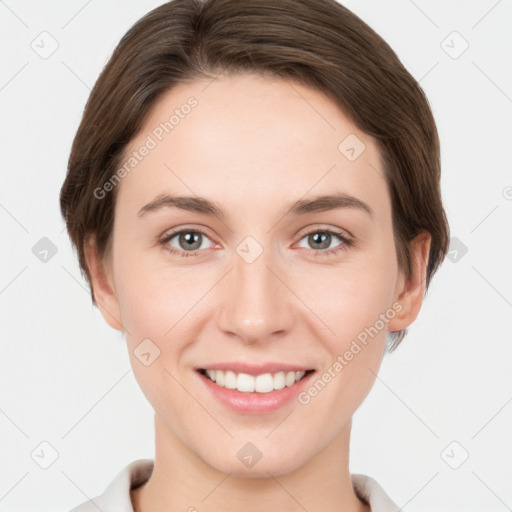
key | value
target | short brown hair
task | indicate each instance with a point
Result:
(318, 43)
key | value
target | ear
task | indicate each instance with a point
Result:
(410, 292)
(102, 285)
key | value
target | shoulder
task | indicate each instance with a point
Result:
(370, 491)
(116, 497)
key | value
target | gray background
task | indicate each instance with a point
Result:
(65, 375)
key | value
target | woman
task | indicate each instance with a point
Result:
(253, 192)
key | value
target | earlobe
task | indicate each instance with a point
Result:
(102, 286)
(410, 291)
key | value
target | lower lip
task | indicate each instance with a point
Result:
(255, 403)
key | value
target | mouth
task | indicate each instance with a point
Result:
(262, 383)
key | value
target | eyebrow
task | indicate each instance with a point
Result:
(198, 204)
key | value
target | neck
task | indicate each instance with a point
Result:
(183, 481)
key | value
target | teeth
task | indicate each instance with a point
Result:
(248, 383)
(244, 382)
(230, 380)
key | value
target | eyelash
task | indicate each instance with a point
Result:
(346, 242)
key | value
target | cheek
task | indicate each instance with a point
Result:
(356, 307)
(159, 307)
(359, 311)
(153, 297)
(154, 311)
(351, 298)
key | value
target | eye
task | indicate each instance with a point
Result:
(186, 242)
(320, 241)
(190, 242)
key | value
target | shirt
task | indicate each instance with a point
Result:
(116, 497)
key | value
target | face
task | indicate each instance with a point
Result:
(254, 273)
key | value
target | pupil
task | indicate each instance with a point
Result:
(191, 239)
(320, 238)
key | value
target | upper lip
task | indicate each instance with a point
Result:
(255, 369)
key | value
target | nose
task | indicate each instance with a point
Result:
(258, 304)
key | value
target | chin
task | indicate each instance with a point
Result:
(276, 465)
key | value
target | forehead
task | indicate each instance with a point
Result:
(263, 137)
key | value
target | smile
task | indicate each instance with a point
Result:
(245, 383)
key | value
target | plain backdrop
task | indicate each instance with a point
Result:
(435, 429)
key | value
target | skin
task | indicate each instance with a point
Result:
(253, 145)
